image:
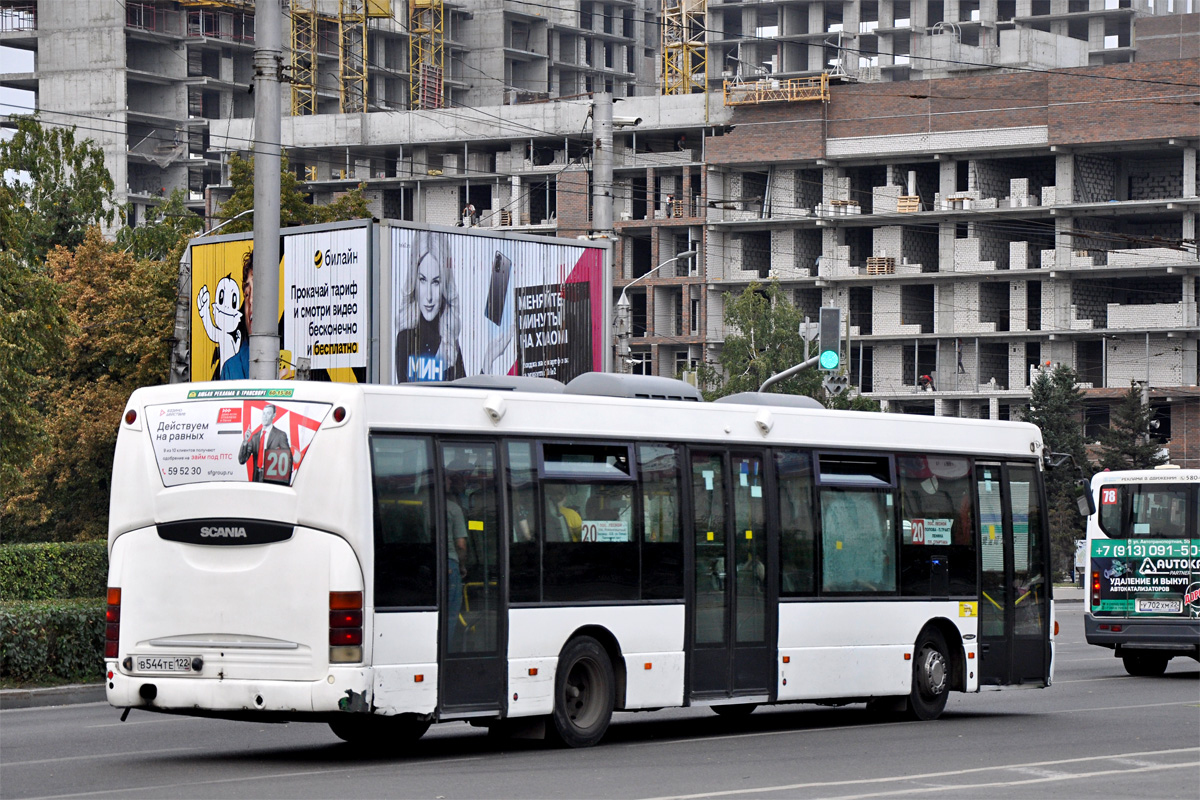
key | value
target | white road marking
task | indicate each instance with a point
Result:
(958, 786)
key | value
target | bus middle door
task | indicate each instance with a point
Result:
(472, 632)
(732, 610)
(1014, 609)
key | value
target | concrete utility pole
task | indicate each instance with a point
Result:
(602, 163)
(268, 62)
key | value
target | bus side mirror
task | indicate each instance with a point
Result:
(1087, 504)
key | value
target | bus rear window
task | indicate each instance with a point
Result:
(1144, 511)
(237, 439)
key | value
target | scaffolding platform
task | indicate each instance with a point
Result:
(770, 90)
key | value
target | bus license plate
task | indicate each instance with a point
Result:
(164, 664)
(1146, 605)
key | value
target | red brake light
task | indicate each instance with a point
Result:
(130, 417)
(339, 414)
(344, 637)
(112, 623)
(345, 619)
(345, 627)
(345, 600)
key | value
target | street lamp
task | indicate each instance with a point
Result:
(622, 322)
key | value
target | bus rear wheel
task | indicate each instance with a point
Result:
(373, 730)
(931, 676)
(1145, 665)
(584, 693)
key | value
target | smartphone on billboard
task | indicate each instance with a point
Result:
(498, 288)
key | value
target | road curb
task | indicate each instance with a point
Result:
(71, 694)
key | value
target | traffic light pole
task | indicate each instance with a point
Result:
(789, 372)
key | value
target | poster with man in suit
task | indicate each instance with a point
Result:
(267, 449)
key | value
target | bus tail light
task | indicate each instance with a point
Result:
(345, 627)
(1095, 590)
(112, 623)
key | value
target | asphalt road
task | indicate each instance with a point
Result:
(1096, 733)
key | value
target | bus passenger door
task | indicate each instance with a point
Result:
(471, 621)
(1014, 608)
(732, 614)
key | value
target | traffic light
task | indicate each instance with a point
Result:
(829, 342)
(835, 384)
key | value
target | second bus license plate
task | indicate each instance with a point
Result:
(164, 663)
(1147, 605)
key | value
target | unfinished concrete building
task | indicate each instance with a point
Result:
(973, 225)
(144, 78)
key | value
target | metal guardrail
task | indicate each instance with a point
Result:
(770, 90)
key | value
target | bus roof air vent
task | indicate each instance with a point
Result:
(766, 399)
(611, 384)
(509, 383)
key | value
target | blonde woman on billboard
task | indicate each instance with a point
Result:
(429, 318)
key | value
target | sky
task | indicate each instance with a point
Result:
(13, 60)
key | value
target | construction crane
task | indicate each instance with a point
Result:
(426, 54)
(685, 46)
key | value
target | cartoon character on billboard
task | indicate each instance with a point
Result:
(226, 322)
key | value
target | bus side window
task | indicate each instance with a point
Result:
(937, 550)
(797, 529)
(662, 546)
(524, 554)
(857, 543)
(404, 548)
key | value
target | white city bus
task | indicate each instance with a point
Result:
(1143, 561)
(383, 557)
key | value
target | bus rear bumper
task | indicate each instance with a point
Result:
(342, 689)
(1176, 636)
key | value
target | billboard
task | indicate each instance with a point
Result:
(326, 299)
(465, 304)
(397, 303)
(222, 298)
(325, 275)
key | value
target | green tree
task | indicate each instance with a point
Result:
(1125, 443)
(168, 226)
(31, 335)
(294, 206)
(764, 340)
(53, 188)
(121, 314)
(1056, 407)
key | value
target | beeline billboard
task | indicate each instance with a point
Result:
(444, 303)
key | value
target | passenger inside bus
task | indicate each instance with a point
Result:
(563, 523)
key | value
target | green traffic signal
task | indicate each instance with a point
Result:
(830, 359)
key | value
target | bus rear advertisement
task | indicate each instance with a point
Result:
(1143, 553)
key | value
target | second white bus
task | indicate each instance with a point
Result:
(1143, 565)
(382, 558)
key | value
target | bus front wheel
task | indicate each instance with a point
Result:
(375, 730)
(1145, 665)
(931, 676)
(584, 693)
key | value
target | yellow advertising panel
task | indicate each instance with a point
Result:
(222, 302)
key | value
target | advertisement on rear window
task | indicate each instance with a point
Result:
(235, 435)
(465, 305)
(1156, 577)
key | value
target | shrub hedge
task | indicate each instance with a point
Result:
(46, 639)
(51, 570)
